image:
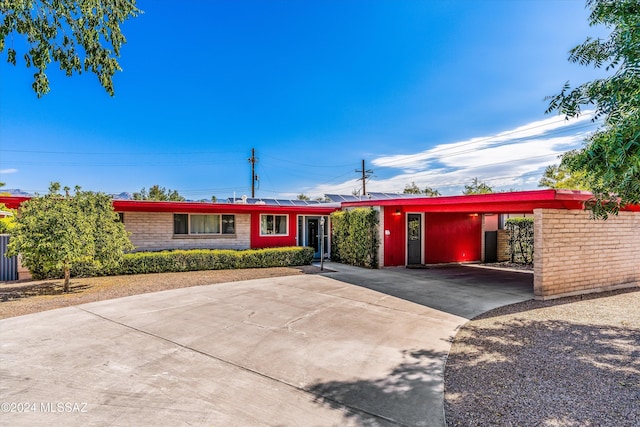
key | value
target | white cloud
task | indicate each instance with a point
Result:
(510, 159)
(8, 171)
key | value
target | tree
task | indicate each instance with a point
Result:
(431, 192)
(559, 177)
(78, 35)
(477, 187)
(54, 232)
(411, 189)
(303, 196)
(414, 189)
(610, 159)
(158, 193)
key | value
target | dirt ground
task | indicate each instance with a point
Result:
(25, 297)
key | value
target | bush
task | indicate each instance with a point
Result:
(520, 239)
(354, 238)
(192, 260)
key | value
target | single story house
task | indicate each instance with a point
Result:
(191, 225)
(573, 254)
(253, 224)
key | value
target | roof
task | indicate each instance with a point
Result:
(512, 202)
(371, 196)
(205, 207)
(518, 201)
(14, 202)
(278, 202)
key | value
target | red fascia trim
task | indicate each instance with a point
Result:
(198, 207)
(13, 202)
(521, 201)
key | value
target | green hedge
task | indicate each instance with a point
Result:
(192, 260)
(354, 237)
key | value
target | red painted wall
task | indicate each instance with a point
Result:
(453, 237)
(258, 241)
(395, 240)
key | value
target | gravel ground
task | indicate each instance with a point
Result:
(18, 298)
(568, 362)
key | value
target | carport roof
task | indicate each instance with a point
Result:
(519, 201)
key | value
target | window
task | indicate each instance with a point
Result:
(204, 224)
(274, 225)
(180, 224)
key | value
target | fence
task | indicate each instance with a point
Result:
(8, 266)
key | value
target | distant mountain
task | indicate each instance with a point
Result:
(122, 196)
(15, 192)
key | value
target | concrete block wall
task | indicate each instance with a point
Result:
(577, 255)
(503, 246)
(153, 231)
(23, 272)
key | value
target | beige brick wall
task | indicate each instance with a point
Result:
(152, 231)
(503, 246)
(577, 255)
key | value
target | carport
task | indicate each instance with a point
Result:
(465, 290)
(573, 254)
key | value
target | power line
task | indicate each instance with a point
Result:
(366, 173)
(254, 177)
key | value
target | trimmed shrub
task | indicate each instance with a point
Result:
(354, 237)
(520, 239)
(193, 260)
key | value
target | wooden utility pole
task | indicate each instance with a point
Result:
(366, 173)
(254, 178)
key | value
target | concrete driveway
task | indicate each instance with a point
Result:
(352, 347)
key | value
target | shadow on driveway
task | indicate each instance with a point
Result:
(464, 291)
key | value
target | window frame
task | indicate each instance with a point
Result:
(274, 234)
(221, 225)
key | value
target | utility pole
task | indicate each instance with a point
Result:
(366, 173)
(254, 178)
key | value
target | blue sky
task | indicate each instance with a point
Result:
(433, 92)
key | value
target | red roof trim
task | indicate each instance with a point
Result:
(200, 207)
(520, 201)
(13, 202)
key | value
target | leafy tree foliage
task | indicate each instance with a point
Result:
(559, 177)
(431, 192)
(303, 196)
(55, 232)
(354, 237)
(610, 159)
(158, 193)
(414, 189)
(8, 222)
(477, 187)
(79, 35)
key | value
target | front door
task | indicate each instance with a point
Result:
(414, 239)
(313, 233)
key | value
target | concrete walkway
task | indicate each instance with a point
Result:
(350, 347)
